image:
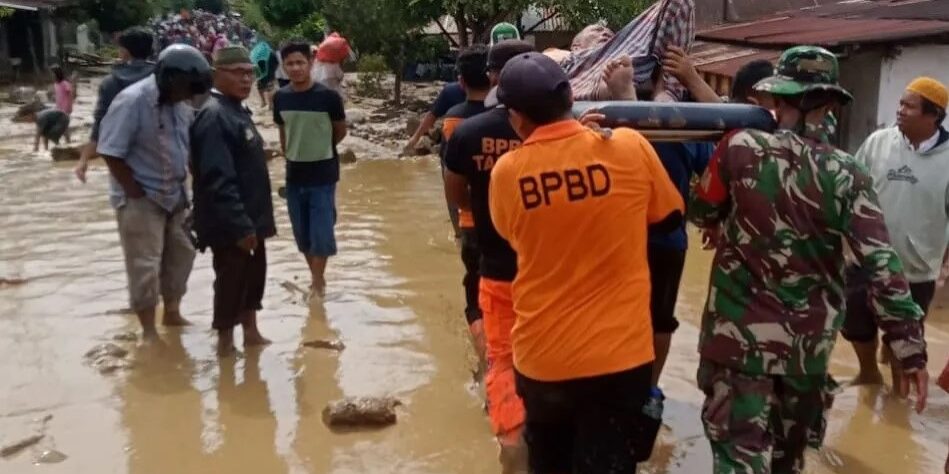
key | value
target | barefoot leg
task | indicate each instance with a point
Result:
(869, 371)
(225, 342)
(172, 315)
(252, 336)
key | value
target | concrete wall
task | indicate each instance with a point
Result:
(860, 74)
(904, 65)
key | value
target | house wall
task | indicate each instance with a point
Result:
(860, 74)
(904, 65)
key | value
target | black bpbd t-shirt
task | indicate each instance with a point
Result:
(472, 151)
(307, 119)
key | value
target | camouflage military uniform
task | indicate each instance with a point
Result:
(786, 204)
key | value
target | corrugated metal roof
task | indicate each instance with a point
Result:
(792, 30)
(726, 59)
(848, 22)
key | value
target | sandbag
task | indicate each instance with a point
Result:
(333, 49)
(680, 121)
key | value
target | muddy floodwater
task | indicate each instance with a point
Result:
(394, 300)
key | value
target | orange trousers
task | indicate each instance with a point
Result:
(505, 409)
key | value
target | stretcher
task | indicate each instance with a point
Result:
(680, 121)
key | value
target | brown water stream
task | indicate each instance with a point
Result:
(395, 300)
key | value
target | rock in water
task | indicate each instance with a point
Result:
(424, 147)
(411, 124)
(335, 345)
(66, 153)
(361, 411)
(16, 447)
(51, 457)
(347, 156)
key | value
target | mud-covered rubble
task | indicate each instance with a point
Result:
(108, 358)
(355, 412)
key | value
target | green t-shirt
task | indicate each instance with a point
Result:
(307, 119)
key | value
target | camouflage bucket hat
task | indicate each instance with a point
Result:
(805, 68)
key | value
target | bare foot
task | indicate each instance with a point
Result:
(173, 318)
(618, 74)
(255, 340)
(868, 379)
(315, 298)
(226, 350)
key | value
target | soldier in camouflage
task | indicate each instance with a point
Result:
(787, 202)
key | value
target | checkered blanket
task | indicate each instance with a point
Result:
(645, 39)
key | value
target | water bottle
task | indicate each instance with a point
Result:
(654, 404)
(648, 426)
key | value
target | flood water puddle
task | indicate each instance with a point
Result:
(395, 302)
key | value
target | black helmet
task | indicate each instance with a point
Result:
(180, 65)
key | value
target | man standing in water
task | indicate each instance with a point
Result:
(144, 140)
(312, 122)
(582, 341)
(135, 47)
(233, 210)
(909, 164)
(473, 77)
(787, 202)
(470, 154)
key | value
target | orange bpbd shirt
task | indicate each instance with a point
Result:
(575, 206)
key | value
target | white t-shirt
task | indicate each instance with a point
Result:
(330, 75)
(913, 189)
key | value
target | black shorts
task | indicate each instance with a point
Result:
(265, 84)
(471, 257)
(239, 280)
(860, 325)
(588, 425)
(665, 273)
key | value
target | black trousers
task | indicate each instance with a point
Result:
(239, 280)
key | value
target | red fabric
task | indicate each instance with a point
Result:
(711, 188)
(333, 49)
(505, 409)
(943, 380)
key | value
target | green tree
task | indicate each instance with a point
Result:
(616, 13)
(288, 13)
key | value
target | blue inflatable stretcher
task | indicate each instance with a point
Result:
(680, 121)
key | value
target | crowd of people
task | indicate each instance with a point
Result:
(572, 235)
(206, 31)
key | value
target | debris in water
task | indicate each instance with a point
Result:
(14, 448)
(113, 312)
(361, 411)
(67, 153)
(51, 456)
(108, 358)
(347, 156)
(125, 337)
(106, 350)
(12, 281)
(335, 345)
(294, 288)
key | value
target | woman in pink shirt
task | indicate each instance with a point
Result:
(65, 95)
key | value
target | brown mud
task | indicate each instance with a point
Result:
(394, 300)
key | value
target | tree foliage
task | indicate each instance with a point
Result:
(117, 15)
(288, 13)
(615, 13)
